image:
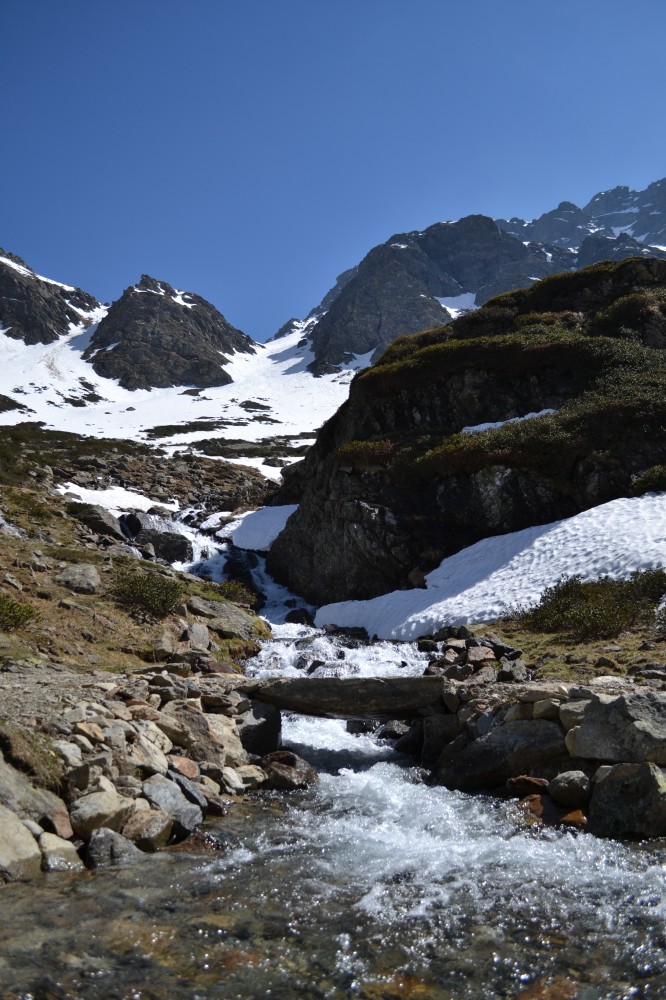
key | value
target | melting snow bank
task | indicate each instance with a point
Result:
(258, 529)
(115, 499)
(485, 580)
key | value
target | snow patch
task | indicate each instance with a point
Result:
(458, 304)
(258, 529)
(477, 428)
(115, 499)
(484, 581)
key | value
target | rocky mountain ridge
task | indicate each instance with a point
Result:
(419, 279)
(433, 451)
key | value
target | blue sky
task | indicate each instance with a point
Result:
(251, 150)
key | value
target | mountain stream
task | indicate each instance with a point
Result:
(372, 884)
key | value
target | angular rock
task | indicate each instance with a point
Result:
(82, 578)
(233, 623)
(523, 785)
(287, 771)
(259, 728)
(225, 732)
(541, 810)
(629, 800)
(18, 795)
(629, 728)
(571, 712)
(183, 765)
(97, 519)
(149, 829)
(167, 796)
(438, 730)
(59, 855)
(106, 848)
(101, 808)
(20, 856)
(532, 747)
(547, 708)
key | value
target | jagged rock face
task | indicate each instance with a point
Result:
(391, 486)
(37, 310)
(609, 214)
(155, 337)
(395, 288)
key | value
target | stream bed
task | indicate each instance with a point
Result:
(371, 884)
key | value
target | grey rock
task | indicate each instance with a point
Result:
(629, 800)
(97, 519)
(531, 747)
(82, 578)
(20, 856)
(628, 728)
(167, 796)
(101, 808)
(570, 788)
(438, 730)
(107, 848)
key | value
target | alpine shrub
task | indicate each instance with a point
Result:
(14, 614)
(150, 592)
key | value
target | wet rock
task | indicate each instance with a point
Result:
(101, 808)
(167, 796)
(259, 728)
(541, 810)
(359, 726)
(438, 730)
(192, 791)
(287, 771)
(58, 855)
(392, 730)
(570, 788)
(532, 747)
(251, 775)
(524, 784)
(82, 578)
(20, 856)
(629, 800)
(107, 847)
(412, 742)
(149, 829)
(299, 616)
(628, 728)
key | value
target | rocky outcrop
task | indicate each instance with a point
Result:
(37, 310)
(392, 485)
(155, 337)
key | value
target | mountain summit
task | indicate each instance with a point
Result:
(420, 279)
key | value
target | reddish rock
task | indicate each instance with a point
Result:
(183, 765)
(524, 785)
(541, 810)
(57, 821)
(479, 654)
(287, 771)
(90, 730)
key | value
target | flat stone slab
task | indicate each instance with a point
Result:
(354, 697)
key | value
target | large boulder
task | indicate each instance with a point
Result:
(629, 800)
(97, 519)
(108, 847)
(628, 728)
(82, 578)
(18, 795)
(531, 747)
(287, 771)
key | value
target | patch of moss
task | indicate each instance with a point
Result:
(31, 753)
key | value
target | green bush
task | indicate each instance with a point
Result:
(651, 481)
(597, 609)
(15, 614)
(236, 592)
(150, 592)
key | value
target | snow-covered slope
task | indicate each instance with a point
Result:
(483, 582)
(272, 395)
